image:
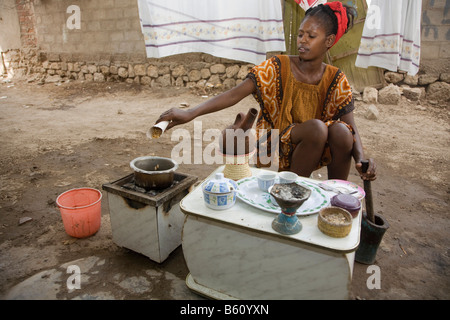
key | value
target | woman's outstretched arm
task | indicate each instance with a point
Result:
(222, 101)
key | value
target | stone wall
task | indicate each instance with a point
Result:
(188, 70)
(434, 89)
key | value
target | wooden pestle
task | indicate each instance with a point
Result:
(368, 191)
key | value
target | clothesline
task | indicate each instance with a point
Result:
(247, 30)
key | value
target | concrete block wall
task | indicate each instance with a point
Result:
(104, 27)
(435, 36)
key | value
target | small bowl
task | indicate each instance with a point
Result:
(287, 177)
(335, 222)
(266, 180)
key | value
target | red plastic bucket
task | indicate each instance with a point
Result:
(80, 211)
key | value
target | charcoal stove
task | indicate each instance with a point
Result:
(147, 221)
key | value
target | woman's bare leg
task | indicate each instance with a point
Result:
(310, 138)
(340, 140)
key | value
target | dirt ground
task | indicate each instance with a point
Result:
(58, 137)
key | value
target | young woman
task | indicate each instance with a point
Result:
(309, 102)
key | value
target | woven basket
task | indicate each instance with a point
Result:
(237, 166)
(328, 224)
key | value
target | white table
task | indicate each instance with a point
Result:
(235, 254)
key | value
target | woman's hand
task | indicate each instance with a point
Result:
(175, 117)
(371, 173)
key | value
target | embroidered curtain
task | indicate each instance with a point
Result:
(391, 36)
(234, 29)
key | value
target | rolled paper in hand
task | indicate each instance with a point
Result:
(157, 130)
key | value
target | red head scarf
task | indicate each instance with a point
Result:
(341, 15)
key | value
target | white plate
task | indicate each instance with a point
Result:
(344, 186)
(252, 195)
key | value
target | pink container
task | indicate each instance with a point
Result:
(80, 211)
(347, 202)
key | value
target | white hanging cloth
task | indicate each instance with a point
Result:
(391, 36)
(243, 30)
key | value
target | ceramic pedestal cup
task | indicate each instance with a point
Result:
(287, 222)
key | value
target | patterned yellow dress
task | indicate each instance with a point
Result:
(285, 101)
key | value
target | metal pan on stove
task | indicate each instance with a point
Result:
(152, 172)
